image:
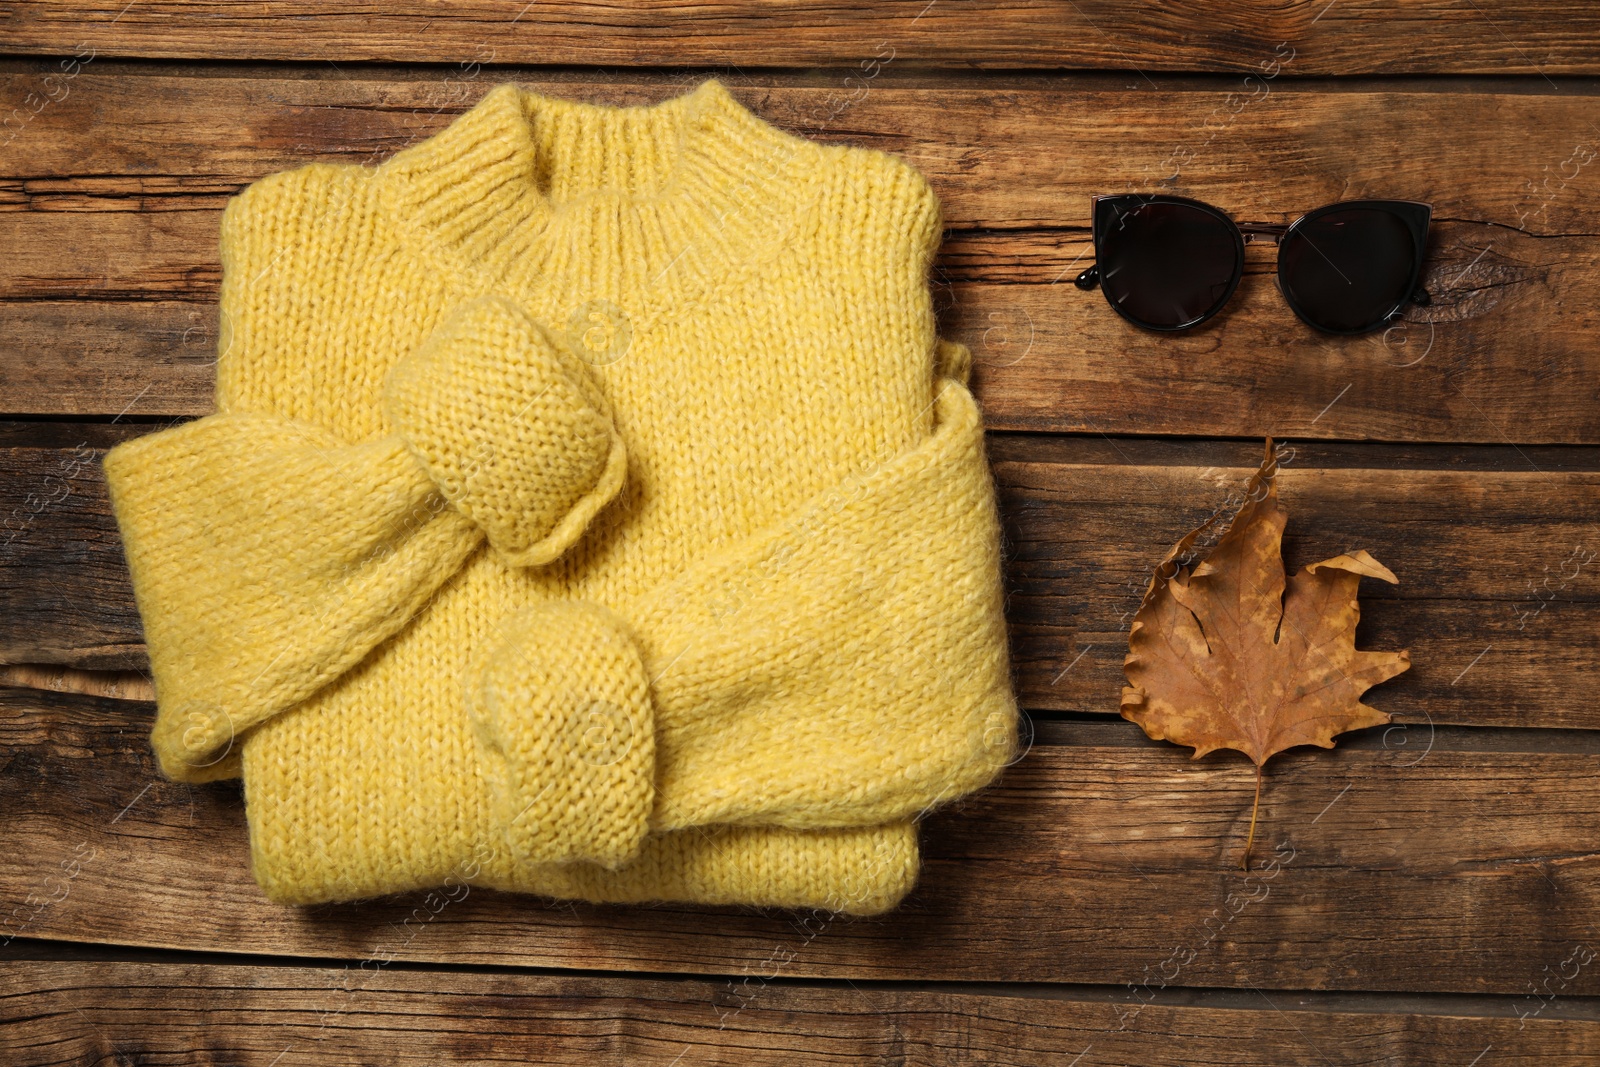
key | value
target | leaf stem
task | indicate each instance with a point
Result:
(1254, 808)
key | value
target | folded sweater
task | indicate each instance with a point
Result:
(589, 505)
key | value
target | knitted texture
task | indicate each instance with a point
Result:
(510, 427)
(590, 506)
(563, 712)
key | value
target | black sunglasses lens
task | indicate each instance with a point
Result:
(1166, 266)
(1349, 270)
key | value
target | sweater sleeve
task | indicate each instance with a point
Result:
(844, 667)
(267, 558)
(870, 625)
(269, 555)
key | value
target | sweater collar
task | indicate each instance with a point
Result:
(525, 188)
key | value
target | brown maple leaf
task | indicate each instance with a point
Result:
(1226, 657)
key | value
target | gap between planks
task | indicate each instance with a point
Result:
(1486, 1005)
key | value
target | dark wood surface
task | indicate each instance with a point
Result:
(1552, 37)
(1433, 894)
(85, 1012)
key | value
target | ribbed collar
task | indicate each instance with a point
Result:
(526, 189)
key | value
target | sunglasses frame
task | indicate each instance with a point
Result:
(1417, 216)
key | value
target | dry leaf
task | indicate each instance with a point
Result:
(1220, 657)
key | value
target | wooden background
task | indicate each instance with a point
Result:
(1437, 894)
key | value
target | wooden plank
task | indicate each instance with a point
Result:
(111, 285)
(82, 1012)
(1482, 365)
(1100, 857)
(1422, 36)
(1003, 152)
(80, 357)
(56, 526)
(1498, 601)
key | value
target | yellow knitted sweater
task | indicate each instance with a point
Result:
(590, 509)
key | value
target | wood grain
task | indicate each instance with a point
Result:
(63, 579)
(123, 685)
(1466, 864)
(110, 294)
(1421, 36)
(135, 1012)
(1498, 601)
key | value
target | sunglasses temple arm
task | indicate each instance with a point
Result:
(1420, 297)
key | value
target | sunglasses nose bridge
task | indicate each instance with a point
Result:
(1252, 231)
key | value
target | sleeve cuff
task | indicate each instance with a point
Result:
(563, 715)
(510, 427)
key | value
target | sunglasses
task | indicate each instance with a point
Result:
(1169, 263)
